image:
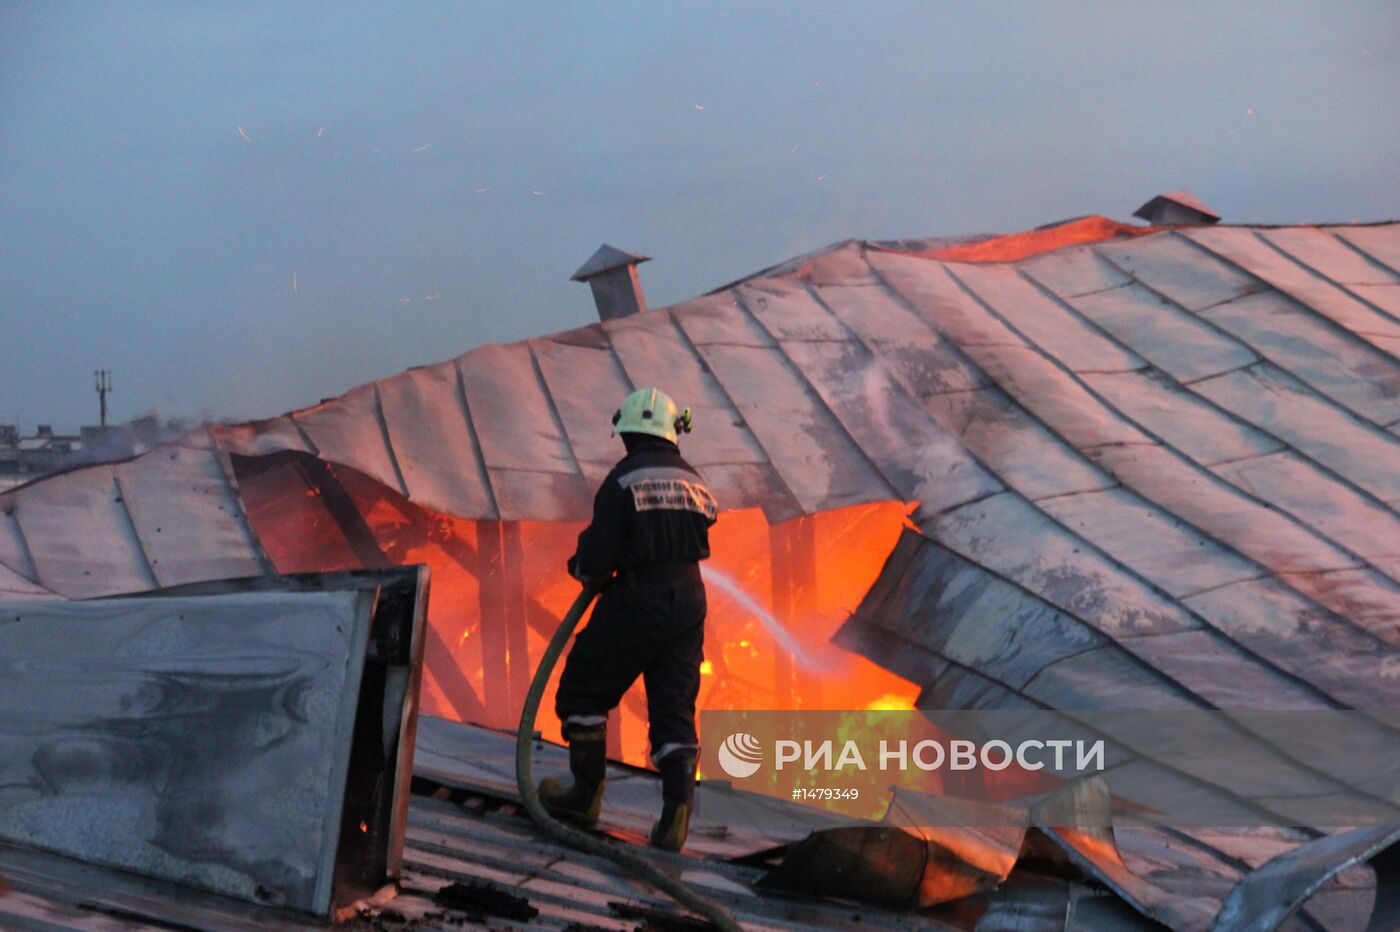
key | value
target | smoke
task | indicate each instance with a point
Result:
(123, 441)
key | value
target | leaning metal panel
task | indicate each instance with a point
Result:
(202, 740)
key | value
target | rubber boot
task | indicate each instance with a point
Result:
(580, 801)
(677, 801)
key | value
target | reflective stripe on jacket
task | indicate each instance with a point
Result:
(652, 508)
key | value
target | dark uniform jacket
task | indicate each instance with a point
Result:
(652, 510)
(651, 520)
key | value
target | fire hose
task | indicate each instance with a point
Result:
(673, 887)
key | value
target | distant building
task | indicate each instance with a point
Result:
(26, 458)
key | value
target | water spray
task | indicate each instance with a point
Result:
(780, 633)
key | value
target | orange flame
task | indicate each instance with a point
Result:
(499, 589)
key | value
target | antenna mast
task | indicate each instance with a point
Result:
(103, 380)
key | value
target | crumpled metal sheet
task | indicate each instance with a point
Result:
(1095, 850)
(910, 623)
(982, 616)
(1273, 892)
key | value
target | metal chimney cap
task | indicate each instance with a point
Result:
(606, 259)
(1178, 204)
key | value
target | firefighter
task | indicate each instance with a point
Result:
(650, 530)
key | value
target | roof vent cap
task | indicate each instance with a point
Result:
(1176, 208)
(612, 274)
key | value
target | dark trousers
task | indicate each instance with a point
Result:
(655, 630)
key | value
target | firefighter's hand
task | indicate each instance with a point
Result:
(597, 582)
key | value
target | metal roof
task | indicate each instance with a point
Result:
(1167, 456)
(1199, 406)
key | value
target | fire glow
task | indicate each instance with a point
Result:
(777, 594)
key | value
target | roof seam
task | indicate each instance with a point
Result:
(306, 438)
(795, 261)
(1128, 572)
(1346, 333)
(1073, 492)
(1313, 270)
(1193, 466)
(1145, 365)
(719, 386)
(146, 563)
(1205, 624)
(1229, 415)
(1112, 643)
(240, 513)
(972, 501)
(1094, 291)
(1264, 361)
(605, 333)
(738, 343)
(553, 407)
(1186, 383)
(25, 552)
(1032, 416)
(957, 349)
(1246, 458)
(480, 458)
(991, 384)
(1299, 762)
(1115, 444)
(1227, 584)
(1345, 241)
(528, 472)
(1342, 569)
(812, 391)
(383, 422)
(898, 382)
(1017, 691)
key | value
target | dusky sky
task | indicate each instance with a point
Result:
(243, 208)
